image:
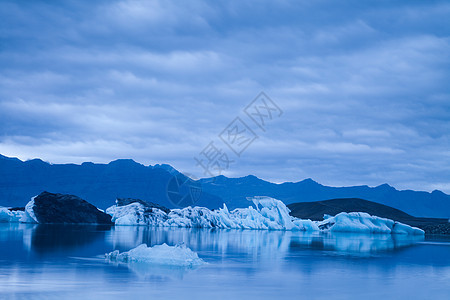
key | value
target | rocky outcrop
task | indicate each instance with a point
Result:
(443, 228)
(49, 208)
(17, 209)
(126, 201)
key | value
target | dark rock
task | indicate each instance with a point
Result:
(17, 209)
(126, 201)
(316, 210)
(443, 228)
(61, 208)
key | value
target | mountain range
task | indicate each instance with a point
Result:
(417, 203)
(101, 184)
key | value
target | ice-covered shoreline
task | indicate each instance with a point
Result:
(267, 214)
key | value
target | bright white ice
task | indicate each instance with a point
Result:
(28, 216)
(365, 223)
(267, 213)
(158, 254)
(10, 216)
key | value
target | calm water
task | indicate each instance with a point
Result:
(66, 262)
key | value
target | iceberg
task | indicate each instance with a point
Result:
(28, 215)
(267, 213)
(164, 254)
(364, 223)
(136, 214)
(7, 215)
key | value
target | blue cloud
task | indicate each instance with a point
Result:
(364, 87)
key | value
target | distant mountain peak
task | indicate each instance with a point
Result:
(309, 181)
(167, 168)
(9, 158)
(438, 192)
(124, 162)
(385, 186)
(251, 178)
(36, 161)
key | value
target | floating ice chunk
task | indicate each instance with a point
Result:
(274, 212)
(132, 214)
(305, 225)
(17, 215)
(29, 216)
(178, 255)
(199, 217)
(268, 213)
(5, 215)
(136, 214)
(365, 223)
(406, 229)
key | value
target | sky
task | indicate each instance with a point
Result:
(358, 91)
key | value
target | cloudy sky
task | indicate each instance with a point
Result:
(364, 86)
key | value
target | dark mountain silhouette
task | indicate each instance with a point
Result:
(101, 184)
(234, 190)
(316, 210)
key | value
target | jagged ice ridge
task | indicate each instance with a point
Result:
(267, 213)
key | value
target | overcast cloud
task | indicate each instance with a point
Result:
(364, 86)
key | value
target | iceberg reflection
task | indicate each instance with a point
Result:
(260, 244)
(354, 243)
(255, 245)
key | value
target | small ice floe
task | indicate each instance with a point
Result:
(164, 254)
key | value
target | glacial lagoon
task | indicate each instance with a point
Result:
(68, 262)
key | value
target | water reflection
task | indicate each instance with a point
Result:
(259, 245)
(354, 244)
(154, 272)
(61, 238)
(219, 241)
(42, 241)
(55, 261)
